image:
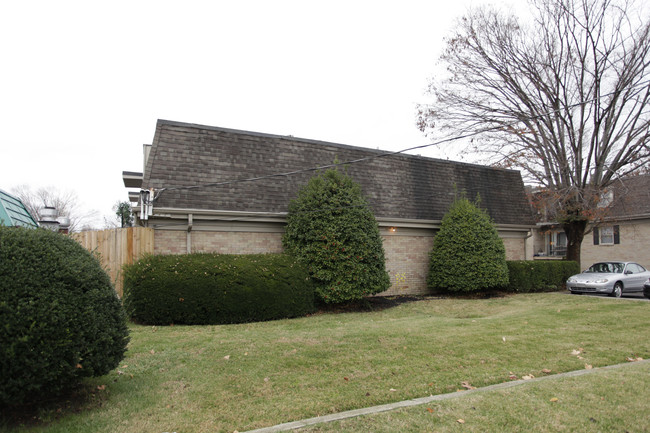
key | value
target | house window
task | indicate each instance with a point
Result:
(607, 235)
(556, 244)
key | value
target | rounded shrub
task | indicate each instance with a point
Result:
(331, 228)
(467, 254)
(201, 289)
(60, 318)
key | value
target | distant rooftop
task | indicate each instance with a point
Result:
(14, 213)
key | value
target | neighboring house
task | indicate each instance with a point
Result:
(622, 232)
(14, 213)
(203, 198)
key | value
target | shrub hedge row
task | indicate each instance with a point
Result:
(539, 276)
(206, 288)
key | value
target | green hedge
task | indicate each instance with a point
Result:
(200, 289)
(60, 318)
(539, 275)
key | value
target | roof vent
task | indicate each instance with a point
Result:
(48, 217)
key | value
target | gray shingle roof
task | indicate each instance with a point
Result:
(396, 186)
(631, 197)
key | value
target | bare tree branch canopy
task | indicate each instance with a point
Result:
(65, 202)
(563, 98)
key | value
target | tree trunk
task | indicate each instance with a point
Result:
(575, 233)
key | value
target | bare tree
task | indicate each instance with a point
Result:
(564, 98)
(65, 202)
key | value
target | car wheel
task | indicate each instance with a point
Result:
(618, 290)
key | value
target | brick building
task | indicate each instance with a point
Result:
(622, 231)
(199, 196)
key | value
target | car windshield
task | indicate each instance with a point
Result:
(607, 268)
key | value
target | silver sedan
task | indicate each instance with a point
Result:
(612, 278)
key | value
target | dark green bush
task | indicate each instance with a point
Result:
(539, 275)
(331, 228)
(467, 254)
(200, 289)
(60, 318)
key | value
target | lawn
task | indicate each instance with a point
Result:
(242, 377)
(604, 401)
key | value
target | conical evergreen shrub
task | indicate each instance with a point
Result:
(467, 254)
(331, 228)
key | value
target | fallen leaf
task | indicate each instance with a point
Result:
(227, 357)
(152, 351)
(580, 358)
(367, 394)
(467, 385)
(629, 359)
(124, 366)
(430, 410)
(431, 384)
(346, 379)
(504, 339)
(528, 377)
(588, 366)
(392, 390)
(460, 421)
(101, 387)
(120, 372)
(513, 376)
(554, 399)
(79, 366)
(575, 352)
(546, 371)
(266, 379)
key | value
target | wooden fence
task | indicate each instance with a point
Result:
(117, 247)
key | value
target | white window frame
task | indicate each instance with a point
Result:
(606, 234)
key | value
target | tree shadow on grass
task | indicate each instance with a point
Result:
(39, 413)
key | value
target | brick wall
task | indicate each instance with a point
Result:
(170, 242)
(515, 249)
(407, 263)
(236, 242)
(175, 242)
(406, 251)
(634, 246)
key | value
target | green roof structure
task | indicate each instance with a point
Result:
(14, 213)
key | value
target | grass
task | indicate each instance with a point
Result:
(606, 400)
(242, 377)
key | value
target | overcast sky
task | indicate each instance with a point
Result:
(83, 83)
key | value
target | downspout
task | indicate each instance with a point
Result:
(189, 233)
(530, 234)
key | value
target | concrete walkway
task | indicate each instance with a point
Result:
(425, 400)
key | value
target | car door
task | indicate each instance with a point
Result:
(635, 276)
